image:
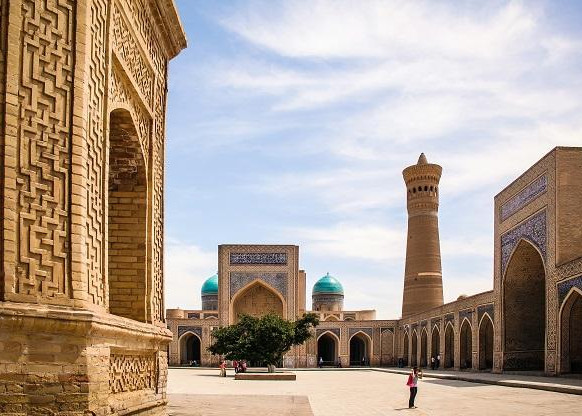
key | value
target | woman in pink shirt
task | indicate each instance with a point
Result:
(413, 378)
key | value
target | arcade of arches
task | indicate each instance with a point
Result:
(529, 321)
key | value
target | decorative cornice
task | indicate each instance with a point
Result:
(171, 25)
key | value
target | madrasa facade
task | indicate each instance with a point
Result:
(531, 320)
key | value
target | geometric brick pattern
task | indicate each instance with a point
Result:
(95, 210)
(132, 372)
(44, 139)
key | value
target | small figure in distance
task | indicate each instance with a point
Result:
(223, 368)
(432, 363)
(320, 362)
(412, 383)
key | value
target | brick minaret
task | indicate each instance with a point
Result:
(423, 284)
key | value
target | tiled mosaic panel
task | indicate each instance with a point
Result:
(450, 318)
(131, 372)
(481, 310)
(364, 330)
(524, 197)
(194, 329)
(278, 281)
(533, 229)
(468, 313)
(320, 331)
(258, 258)
(564, 287)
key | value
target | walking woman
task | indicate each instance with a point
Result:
(413, 378)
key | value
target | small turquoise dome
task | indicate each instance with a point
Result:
(328, 284)
(210, 286)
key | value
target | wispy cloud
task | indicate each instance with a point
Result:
(186, 268)
(332, 99)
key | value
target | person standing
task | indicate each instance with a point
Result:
(320, 362)
(438, 361)
(432, 363)
(413, 378)
(223, 368)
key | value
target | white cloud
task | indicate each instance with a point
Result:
(186, 268)
(355, 241)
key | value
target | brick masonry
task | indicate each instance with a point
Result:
(82, 111)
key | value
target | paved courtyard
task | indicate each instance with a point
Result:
(323, 393)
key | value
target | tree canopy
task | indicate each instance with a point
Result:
(264, 339)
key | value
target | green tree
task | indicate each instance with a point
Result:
(264, 339)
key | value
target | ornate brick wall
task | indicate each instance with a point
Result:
(82, 113)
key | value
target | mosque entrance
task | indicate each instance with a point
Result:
(257, 300)
(327, 349)
(466, 344)
(571, 333)
(524, 310)
(359, 355)
(449, 347)
(486, 343)
(189, 349)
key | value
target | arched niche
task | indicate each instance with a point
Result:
(360, 349)
(524, 309)
(571, 332)
(127, 213)
(435, 345)
(190, 348)
(328, 348)
(466, 345)
(449, 346)
(423, 348)
(414, 360)
(257, 299)
(486, 343)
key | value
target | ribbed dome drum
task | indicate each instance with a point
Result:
(209, 293)
(327, 294)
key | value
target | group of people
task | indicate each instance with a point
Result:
(239, 366)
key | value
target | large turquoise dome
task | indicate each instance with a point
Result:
(210, 286)
(328, 284)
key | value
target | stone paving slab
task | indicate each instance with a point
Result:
(366, 392)
(239, 405)
(555, 384)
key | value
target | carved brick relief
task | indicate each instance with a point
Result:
(129, 52)
(96, 89)
(45, 88)
(132, 372)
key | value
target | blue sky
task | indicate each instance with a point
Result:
(291, 121)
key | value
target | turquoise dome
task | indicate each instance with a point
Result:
(328, 284)
(210, 286)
